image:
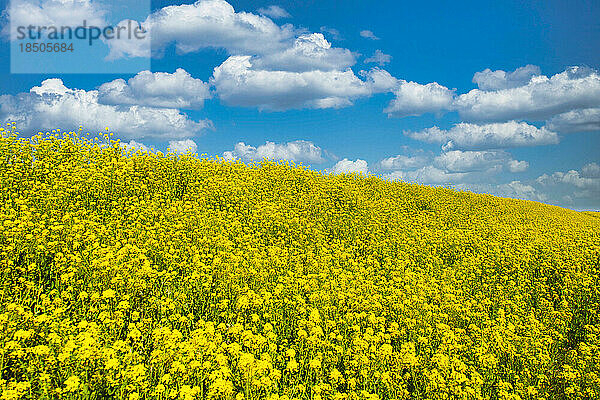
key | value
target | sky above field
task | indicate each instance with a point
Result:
(487, 96)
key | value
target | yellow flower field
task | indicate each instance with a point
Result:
(153, 276)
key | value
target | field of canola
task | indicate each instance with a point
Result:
(155, 276)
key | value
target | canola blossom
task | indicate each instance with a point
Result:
(164, 276)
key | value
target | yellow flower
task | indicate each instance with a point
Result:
(292, 365)
(335, 375)
(315, 363)
(181, 276)
(72, 384)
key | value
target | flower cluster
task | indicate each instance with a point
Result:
(162, 276)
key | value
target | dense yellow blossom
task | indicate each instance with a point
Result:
(163, 276)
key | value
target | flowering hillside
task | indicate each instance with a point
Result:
(152, 276)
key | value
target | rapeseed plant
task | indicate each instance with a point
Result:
(160, 276)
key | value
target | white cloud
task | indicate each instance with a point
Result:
(368, 34)
(274, 12)
(183, 146)
(570, 99)
(514, 189)
(379, 80)
(453, 167)
(53, 13)
(134, 146)
(52, 105)
(591, 170)
(473, 181)
(379, 57)
(428, 175)
(497, 80)
(238, 83)
(401, 161)
(539, 99)
(346, 166)
(270, 67)
(308, 52)
(214, 24)
(297, 151)
(519, 190)
(585, 120)
(588, 178)
(581, 189)
(413, 99)
(517, 166)
(128, 46)
(159, 89)
(471, 161)
(575, 189)
(487, 136)
(334, 33)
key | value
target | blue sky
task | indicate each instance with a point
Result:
(496, 97)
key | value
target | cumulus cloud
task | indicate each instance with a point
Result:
(401, 161)
(297, 151)
(476, 182)
(379, 57)
(308, 52)
(515, 189)
(334, 33)
(471, 161)
(487, 136)
(586, 120)
(453, 167)
(159, 89)
(587, 178)
(270, 67)
(591, 170)
(261, 50)
(379, 80)
(578, 188)
(570, 100)
(540, 98)
(368, 34)
(497, 80)
(414, 99)
(428, 175)
(213, 24)
(53, 105)
(274, 11)
(463, 181)
(238, 83)
(346, 166)
(183, 146)
(52, 13)
(129, 46)
(517, 166)
(519, 190)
